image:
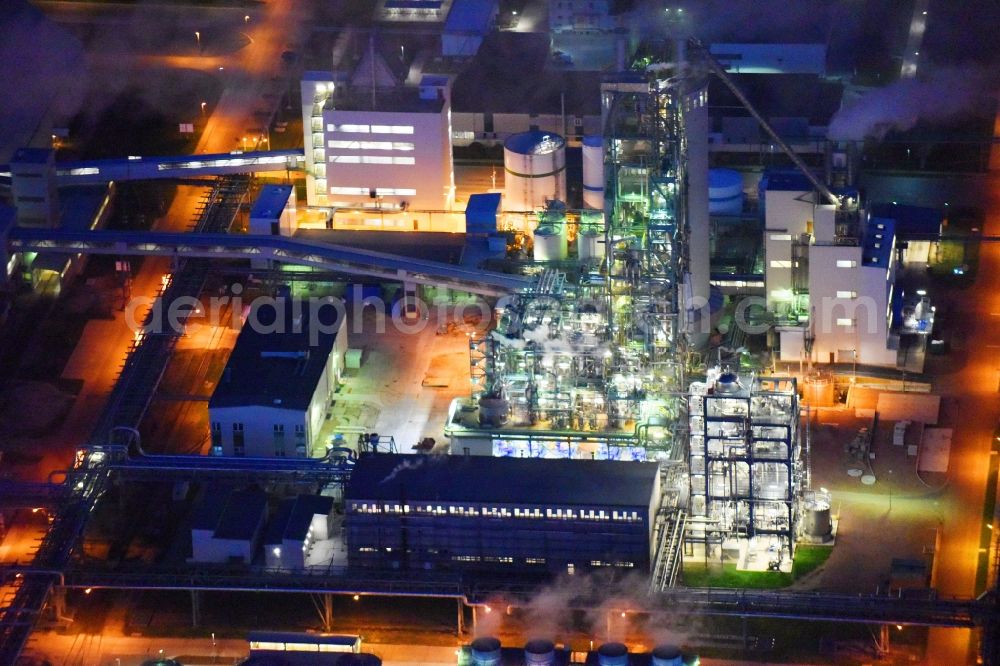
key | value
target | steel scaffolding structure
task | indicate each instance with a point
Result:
(745, 469)
(589, 363)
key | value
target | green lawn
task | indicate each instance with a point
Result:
(807, 559)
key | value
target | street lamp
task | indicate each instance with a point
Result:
(246, 19)
(203, 108)
(197, 36)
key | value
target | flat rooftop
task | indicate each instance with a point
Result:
(277, 369)
(534, 481)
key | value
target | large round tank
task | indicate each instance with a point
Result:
(550, 244)
(816, 518)
(493, 411)
(535, 165)
(590, 245)
(667, 655)
(725, 192)
(485, 651)
(593, 171)
(539, 652)
(612, 654)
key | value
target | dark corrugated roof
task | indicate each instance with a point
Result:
(255, 377)
(512, 74)
(242, 515)
(538, 481)
(294, 517)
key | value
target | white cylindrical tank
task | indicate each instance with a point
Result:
(667, 655)
(535, 165)
(590, 245)
(725, 192)
(550, 244)
(539, 652)
(612, 654)
(485, 651)
(593, 171)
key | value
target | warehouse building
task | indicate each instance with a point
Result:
(500, 514)
(227, 524)
(276, 387)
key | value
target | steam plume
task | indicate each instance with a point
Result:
(942, 94)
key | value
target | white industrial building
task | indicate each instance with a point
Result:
(33, 187)
(828, 276)
(297, 533)
(227, 525)
(372, 143)
(277, 385)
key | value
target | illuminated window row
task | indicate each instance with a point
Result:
(370, 129)
(371, 159)
(370, 145)
(601, 563)
(497, 512)
(379, 191)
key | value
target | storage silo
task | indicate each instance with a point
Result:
(725, 192)
(593, 172)
(590, 245)
(535, 165)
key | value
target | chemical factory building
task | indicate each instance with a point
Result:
(376, 144)
(274, 392)
(500, 514)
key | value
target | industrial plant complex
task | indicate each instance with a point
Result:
(626, 333)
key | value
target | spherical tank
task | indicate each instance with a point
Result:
(593, 172)
(725, 192)
(535, 165)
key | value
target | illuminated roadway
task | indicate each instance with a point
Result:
(973, 388)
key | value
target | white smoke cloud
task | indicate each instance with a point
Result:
(938, 95)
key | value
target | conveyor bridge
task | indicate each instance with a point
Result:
(281, 249)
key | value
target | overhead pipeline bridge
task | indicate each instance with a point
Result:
(777, 604)
(91, 172)
(129, 399)
(281, 249)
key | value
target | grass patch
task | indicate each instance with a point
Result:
(807, 559)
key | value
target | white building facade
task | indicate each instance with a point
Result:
(388, 150)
